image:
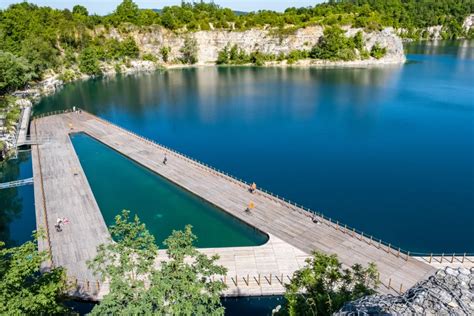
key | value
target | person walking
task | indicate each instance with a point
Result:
(165, 160)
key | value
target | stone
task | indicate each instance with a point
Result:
(444, 293)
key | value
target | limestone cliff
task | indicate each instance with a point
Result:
(264, 40)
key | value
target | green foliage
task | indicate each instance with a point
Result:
(23, 289)
(165, 53)
(79, 10)
(334, 45)
(15, 72)
(233, 55)
(89, 62)
(323, 286)
(127, 11)
(138, 287)
(189, 50)
(377, 51)
(150, 57)
(129, 48)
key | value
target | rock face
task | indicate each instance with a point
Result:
(266, 41)
(468, 23)
(448, 292)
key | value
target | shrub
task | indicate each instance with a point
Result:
(377, 51)
(89, 63)
(150, 57)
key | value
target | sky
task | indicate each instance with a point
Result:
(107, 6)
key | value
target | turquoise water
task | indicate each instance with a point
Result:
(119, 183)
(389, 151)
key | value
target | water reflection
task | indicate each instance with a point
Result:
(17, 218)
(388, 150)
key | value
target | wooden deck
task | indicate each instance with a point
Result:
(62, 190)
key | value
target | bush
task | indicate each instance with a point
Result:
(15, 72)
(189, 51)
(165, 53)
(89, 63)
(150, 57)
(377, 51)
(67, 76)
(334, 45)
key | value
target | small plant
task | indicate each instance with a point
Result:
(67, 76)
(377, 51)
(150, 57)
(165, 53)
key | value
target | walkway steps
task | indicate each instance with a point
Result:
(293, 235)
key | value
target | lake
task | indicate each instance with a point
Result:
(388, 150)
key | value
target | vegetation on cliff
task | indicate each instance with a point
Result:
(36, 39)
(334, 45)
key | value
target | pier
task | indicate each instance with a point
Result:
(62, 190)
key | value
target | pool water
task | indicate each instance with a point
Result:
(119, 183)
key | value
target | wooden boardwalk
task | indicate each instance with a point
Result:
(62, 190)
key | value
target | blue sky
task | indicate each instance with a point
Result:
(107, 6)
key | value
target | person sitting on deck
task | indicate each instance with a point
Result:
(250, 207)
(252, 188)
(165, 160)
(59, 221)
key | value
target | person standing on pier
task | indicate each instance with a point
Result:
(165, 160)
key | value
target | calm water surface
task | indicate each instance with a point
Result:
(119, 183)
(389, 151)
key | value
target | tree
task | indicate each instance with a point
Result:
(15, 72)
(189, 50)
(323, 286)
(127, 11)
(89, 62)
(138, 286)
(165, 53)
(79, 10)
(23, 289)
(130, 48)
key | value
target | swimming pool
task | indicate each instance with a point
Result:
(119, 183)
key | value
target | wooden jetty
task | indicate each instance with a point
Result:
(62, 190)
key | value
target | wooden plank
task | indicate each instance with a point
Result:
(293, 235)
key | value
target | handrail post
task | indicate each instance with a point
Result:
(442, 257)
(408, 255)
(452, 258)
(389, 282)
(401, 286)
(463, 256)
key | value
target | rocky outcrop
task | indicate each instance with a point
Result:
(468, 23)
(448, 292)
(267, 41)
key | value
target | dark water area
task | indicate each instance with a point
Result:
(119, 183)
(17, 209)
(258, 305)
(388, 150)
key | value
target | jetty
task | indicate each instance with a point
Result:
(62, 190)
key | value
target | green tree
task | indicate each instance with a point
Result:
(139, 287)
(89, 62)
(23, 289)
(165, 53)
(130, 48)
(15, 72)
(79, 10)
(323, 286)
(189, 50)
(127, 11)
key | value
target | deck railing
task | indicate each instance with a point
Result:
(311, 214)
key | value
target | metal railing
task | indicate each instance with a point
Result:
(311, 214)
(16, 183)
